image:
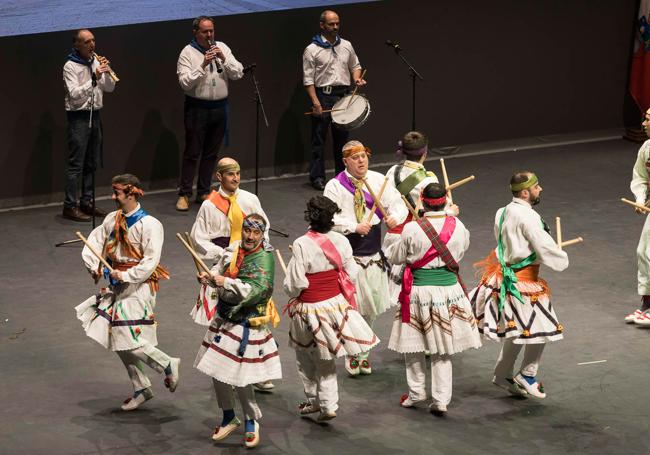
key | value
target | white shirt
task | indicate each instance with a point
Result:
(523, 233)
(211, 223)
(77, 81)
(329, 66)
(345, 222)
(146, 236)
(640, 177)
(202, 83)
(414, 243)
(308, 257)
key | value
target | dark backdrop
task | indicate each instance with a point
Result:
(493, 70)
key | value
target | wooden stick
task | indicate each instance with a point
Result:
(354, 93)
(196, 257)
(325, 111)
(374, 207)
(372, 193)
(571, 242)
(445, 179)
(281, 261)
(455, 185)
(92, 250)
(410, 207)
(191, 243)
(634, 204)
(558, 231)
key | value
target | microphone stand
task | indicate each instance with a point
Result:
(89, 149)
(413, 74)
(259, 106)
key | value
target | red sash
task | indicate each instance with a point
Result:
(322, 286)
(400, 227)
(407, 279)
(331, 253)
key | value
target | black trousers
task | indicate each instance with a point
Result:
(204, 131)
(319, 127)
(85, 149)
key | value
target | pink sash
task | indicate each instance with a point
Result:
(407, 279)
(331, 253)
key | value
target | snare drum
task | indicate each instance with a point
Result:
(353, 116)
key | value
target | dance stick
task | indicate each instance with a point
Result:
(558, 231)
(455, 185)
(323, 112)
(372, 193)
(634, 204)
(281, 261)
(571, 242)
(196, 257)
(92, 250)
(191, 243)
(374, 206)
(408, 206)
(355, 89)
(445, 179)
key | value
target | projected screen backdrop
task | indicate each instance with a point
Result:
(24, 17)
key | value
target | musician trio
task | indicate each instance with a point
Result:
(343, 273)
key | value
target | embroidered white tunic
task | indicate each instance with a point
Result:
(639, 187)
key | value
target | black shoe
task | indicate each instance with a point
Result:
(88, 210)
(318, 184)
(74, 214)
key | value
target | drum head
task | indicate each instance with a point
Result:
(352, 116)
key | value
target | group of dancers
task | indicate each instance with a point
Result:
(341, 276)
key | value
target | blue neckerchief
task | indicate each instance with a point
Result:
(195, 44)
(75, 57)
(130, 221)
(317, 39)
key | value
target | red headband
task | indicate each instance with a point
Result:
(128, 189)
(431, 202)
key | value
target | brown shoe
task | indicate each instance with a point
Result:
(74, 214)
(183, 204)
(87, 209)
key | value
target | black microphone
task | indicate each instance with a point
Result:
(216, 59)
(250, 67)
(393, 45)
(93, 76)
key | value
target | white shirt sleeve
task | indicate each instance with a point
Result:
(234, 69)
(640, 178)
(152, 242)
(308, 67)
(548, 253)
(295, 280)
(202, 231)
(189, 74)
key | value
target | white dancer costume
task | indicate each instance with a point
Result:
(639, 186)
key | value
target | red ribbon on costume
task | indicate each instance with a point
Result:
(400, 227)
(331, 253)
(322, 286)
(407, 279)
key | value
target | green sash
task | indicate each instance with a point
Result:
(440, 276)
(411, 181)
(509, 277)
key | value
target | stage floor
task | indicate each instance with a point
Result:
(61, 391)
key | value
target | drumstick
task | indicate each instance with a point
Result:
(558, 231)
(191, 243)
(372, 193)
(374, 206)
(455, 185)
(634, 204)
(571, 242)
(281, 261)
(326, 110)
(354, 93)
(196, 257)
(445, 179)
(92, 250)
(410, 207)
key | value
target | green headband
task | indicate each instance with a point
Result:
(532, 181)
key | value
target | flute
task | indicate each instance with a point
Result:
(102, 60)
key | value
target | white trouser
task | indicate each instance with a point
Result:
(246, 394)
(318, 379)
(643, 259)
(370, 320)
(135, 359)
(508, 356)
(441, 377)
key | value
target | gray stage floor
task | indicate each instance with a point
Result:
(60, 390)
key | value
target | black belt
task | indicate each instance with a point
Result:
(333, 89)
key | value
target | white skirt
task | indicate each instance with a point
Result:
(441, 322)
(206, 304)
(332, 326)
(219, 357)
(101, 314)
(372, 294)
(531, 322)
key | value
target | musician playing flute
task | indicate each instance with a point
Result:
(355, 200)
(639, 187)
(328, 63)
(85, 80)
(122, 317)
(512, 303)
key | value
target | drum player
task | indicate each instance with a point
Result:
(327, 63)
